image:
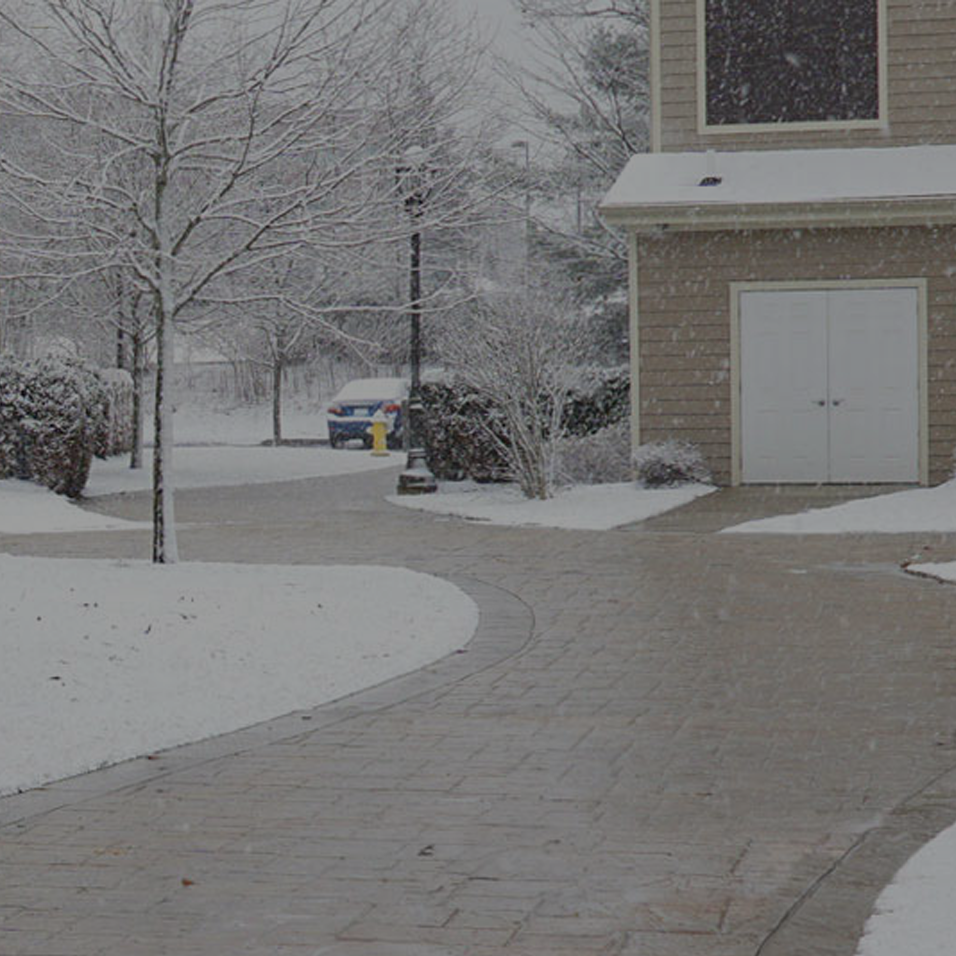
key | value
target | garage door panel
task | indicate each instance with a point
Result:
(784, 431)
(874, 395)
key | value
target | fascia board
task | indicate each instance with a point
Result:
(925, 211)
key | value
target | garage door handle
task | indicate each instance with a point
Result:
(821, 402)
(838, 401)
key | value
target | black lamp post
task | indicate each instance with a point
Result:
(412, 175)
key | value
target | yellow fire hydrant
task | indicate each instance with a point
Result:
(379, 430)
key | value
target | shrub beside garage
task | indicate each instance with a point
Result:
(55, 415)
(464, 433)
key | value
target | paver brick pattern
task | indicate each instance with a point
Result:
(703, 738)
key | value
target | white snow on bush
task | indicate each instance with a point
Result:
(914, 915)
(583, 507)
(103, 661)
(918, 510)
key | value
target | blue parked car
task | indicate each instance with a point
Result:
(350, 414)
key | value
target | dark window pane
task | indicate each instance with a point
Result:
(787, 61)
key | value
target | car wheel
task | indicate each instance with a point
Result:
(337, 441)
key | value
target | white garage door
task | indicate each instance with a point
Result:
(830, 385)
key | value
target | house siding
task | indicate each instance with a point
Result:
(684, 326)
(921, 80)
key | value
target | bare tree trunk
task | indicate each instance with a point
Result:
(120, 348)
(138, 359)
(277, 399)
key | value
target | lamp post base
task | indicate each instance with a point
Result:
(416, 479)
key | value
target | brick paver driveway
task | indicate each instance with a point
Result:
(663, 743)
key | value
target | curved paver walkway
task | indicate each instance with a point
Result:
(710, 745)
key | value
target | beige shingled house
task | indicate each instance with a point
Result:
(793, 239)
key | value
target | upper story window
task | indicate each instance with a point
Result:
(791, 61)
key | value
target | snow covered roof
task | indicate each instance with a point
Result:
(774, 187)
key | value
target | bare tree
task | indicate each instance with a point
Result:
(518, 353)
(205, 140)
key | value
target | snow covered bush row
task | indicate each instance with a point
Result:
(671, 462)
(459, 422)
(455, 430)
(117, 437)
(54, 416)
(599, 398)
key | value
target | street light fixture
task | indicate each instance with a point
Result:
(413, 183)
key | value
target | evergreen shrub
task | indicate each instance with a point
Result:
(52, 419)
(458, 448)
(117, 436)
(455, 445)
(600, 399)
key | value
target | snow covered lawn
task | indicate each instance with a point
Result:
(26, 508)
(917, 510)
(221, 465)
(585, 507)
(103, 660)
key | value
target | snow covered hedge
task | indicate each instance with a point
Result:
(53, 418)
(456, 444)
(599, 399)
(597, 405)
(117, 437)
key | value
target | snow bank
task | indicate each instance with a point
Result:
(914, 914)
(104, 661)
(918, 510)
(584, 507)
(26, 508)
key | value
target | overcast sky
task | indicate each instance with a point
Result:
(500, 16)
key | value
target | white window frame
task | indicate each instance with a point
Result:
(737, 129)
(920, 285)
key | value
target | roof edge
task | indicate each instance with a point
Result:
(831, 214)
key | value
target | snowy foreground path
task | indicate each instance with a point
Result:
(660, 743)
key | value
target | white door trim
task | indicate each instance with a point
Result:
(737, 288)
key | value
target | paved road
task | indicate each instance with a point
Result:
(663, 742)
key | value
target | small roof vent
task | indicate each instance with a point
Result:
(711, 181)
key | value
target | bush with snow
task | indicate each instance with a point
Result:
(671, 462)
(52, 417)
(465, 432)
(600, 398)
(116, 438)
(601, 458)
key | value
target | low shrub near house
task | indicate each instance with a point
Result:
(598, 458)
(52, 418)
(599, 399)
(458, 446)
(671, 462)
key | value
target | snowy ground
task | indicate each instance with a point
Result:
(593, 507)
(917, 510)
(198, 423)
(104, 660)
(221, 465)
